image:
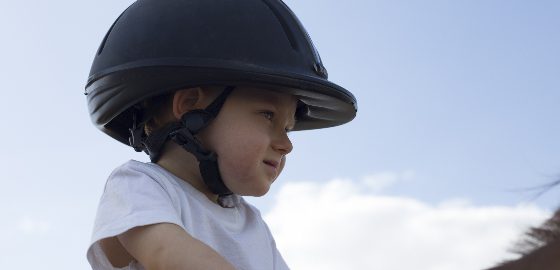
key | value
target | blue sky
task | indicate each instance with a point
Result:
(463, 93)
(458, 101)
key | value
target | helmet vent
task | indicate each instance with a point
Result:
(296, 24)
(320, 70)
(281, 19)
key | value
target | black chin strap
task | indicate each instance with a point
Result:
(183, 133)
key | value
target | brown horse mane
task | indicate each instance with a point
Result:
(546, 234)
(537, 237)
(539, 248)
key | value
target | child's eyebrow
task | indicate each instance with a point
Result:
(273, 102)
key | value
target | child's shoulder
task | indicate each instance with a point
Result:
(138, 175)
(138, 171)
(133, 166)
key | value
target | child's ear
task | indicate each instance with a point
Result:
(186, 100)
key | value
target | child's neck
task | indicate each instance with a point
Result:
(185, 166)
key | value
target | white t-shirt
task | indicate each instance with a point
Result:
(138, 194)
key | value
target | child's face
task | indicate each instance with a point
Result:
(250, 138)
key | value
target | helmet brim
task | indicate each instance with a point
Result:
(112, 93)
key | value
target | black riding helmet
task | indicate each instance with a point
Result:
(156, 47)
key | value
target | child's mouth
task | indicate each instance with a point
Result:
(271, 163)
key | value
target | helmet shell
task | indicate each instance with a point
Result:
(159, 46)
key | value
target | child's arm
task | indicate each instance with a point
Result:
(168, 246)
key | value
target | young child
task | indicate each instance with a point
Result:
(209, 89)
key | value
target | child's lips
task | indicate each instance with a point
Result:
(271, 163)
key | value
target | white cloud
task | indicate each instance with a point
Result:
(336, 225)
(379, 181)
(30, 225)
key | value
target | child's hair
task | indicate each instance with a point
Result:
(159, 106)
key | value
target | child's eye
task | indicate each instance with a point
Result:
(268, 114)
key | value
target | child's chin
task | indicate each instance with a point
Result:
(257, 192)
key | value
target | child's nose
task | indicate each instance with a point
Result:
(282, 144)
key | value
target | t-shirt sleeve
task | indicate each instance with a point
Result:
(131, 198)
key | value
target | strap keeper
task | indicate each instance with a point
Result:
(137, 135)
